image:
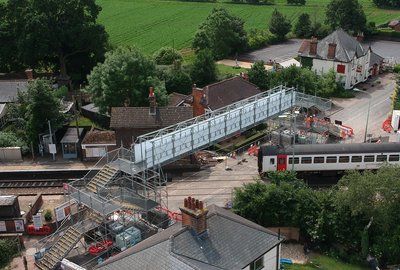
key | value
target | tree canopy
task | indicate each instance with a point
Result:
(167, 56)
(347, 14)
(387, 3)
(303, 27)
(124, 79)
(279, 24)
(204, 70)
(44, 33)
(222, 33)
(259, 75)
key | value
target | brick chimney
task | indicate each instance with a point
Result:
(199, 101)
(360, 37)
(29, 74)
(194, 215)
(331, 50)
(313, 46)
(152, 101)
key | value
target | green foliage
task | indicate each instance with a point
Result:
(61, 92)
(222, 33)
(259, 75)
(388, 33)
(258, 38)
(10, 139)
(279, 24)
(167, 56)
(396, 68)
(303, 26)
(324, 262)
(396, 95)
(48, 215)
(228, 71)
(47, 33)
(8, 249)
(178, 80)
(204, 70)
(346, 14)
(387, 3)
(124, 79)
(296, 2)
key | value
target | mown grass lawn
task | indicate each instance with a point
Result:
(227, 70)
(324, 263)
(152, 24)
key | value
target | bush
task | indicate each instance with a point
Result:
(388, 33)
(8, 249)
(48, 215)
(61, 92)
(167, 56)
(396, 68)
(11, 139)
(257, 39)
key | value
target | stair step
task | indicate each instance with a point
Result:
(40, 266)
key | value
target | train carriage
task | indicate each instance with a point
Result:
(327, 157)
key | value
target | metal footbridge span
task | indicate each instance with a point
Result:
(166, 145)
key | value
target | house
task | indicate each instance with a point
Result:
(97, 143)
(342, 53)
(207, 238)
(217, 95)
(131, 122)
(395, 25)
(91, 112)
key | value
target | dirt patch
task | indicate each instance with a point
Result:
(295, 252)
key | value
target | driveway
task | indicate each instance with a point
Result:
(288, 49)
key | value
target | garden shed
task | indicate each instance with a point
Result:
(70, 143)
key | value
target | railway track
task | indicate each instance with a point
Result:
(45, 183)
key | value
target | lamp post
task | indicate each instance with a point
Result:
(369, 107)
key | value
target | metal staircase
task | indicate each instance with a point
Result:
(100, 180)
(60, 249)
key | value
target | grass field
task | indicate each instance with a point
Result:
(325, 263)
(152, 24)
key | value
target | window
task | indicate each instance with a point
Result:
(341, 69)
(381, 158)
(394, 157)
(369, 158)
(356, 159)
(306, 160)
(331, 159)
(319, 160)
(296, 160)
(344, 159)
(272, 161)
(257, 264)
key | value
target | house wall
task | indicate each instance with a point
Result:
(352, 75)
(271, 260)
(126, 134)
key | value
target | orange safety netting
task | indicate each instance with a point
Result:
(387, 125)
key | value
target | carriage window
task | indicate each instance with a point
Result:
(331, 159)
(272, 161)
(344, 159)
(296, 160)
(306, 160)
(381, 157)
(394, 158)
(356, 159)
(369, 158)
(319, 160)
(281, 161)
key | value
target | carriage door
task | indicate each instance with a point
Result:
(282, 163)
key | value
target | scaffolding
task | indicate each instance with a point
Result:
(123, 193)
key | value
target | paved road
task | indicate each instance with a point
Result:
(287, 50)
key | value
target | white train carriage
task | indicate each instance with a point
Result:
(327, 157)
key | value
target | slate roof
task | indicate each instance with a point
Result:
(346, 47)
(175, 99)
(7, 200)
(232, 243)
(92, 108)
(139, 117)
(228, 91)
(96, 136)
(9, 89)
(375, 59)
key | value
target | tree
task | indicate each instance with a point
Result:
(259, 75)
(167, 56)
(387, 3)
(178, 80)
(10, 139)
(279, 25)
(222, 33)
(346, 14)
(124, 79)
(204, 70)
(47, 33)
(303, 26)
(296, 2)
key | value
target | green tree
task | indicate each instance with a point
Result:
(46, 33)
(167, 56)
(303, 26)
(178, 80)
(10, 139)
(8, 249)
(387, 3)
(346, 14)
(259, 75)
(221, 32)
(279, 24)
(124, 79)
(296, 2)
(204, 70)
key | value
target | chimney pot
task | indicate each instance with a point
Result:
(151, 92)
(185, 202)
(29, 74)
(313, 46)
(193, 218)
(201, 205)
(193, 204)
(197, 204)
(152, 101)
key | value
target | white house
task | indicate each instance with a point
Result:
(342, 53)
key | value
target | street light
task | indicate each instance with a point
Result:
(292, 116)
(369, 107)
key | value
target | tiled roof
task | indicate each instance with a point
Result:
(175, 98)
(9, 89)
(346, 47)
(95, 136)
(232, 243)
(393, 23)
(139, 117)
(228, 91)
